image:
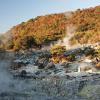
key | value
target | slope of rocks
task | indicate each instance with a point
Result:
(31, 76)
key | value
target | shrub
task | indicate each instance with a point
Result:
(98, 51)
(57, 50)
(71, 57)
(98, 65)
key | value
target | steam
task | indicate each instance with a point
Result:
(68, 15)
(7, 82)
(5, 39)
(70, 30)
(5, 78)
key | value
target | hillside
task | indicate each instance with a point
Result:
(43, 30)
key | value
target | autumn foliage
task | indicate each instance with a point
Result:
(43, 30)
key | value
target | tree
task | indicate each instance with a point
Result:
(27, 42)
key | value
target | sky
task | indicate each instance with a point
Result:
(13, 12)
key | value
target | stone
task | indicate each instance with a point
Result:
(50, 65)
(23, 73)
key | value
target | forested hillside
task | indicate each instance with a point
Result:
(43, 30)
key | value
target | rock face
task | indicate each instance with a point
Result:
(86, 67)
(50, 65)
(39, 64)
(38, 78)
(23, 73)
(73, 86)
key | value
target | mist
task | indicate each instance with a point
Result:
(7, 81)
(70, 30)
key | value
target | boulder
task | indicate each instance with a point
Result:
(41, 63)
(23, 73)
(50, 65)
(41, 66)
(17, 65)
(86, 67)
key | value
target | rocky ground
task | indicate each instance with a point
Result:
(31, 75)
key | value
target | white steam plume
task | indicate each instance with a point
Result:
(70, 30)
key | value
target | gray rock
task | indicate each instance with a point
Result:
(50, 65)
